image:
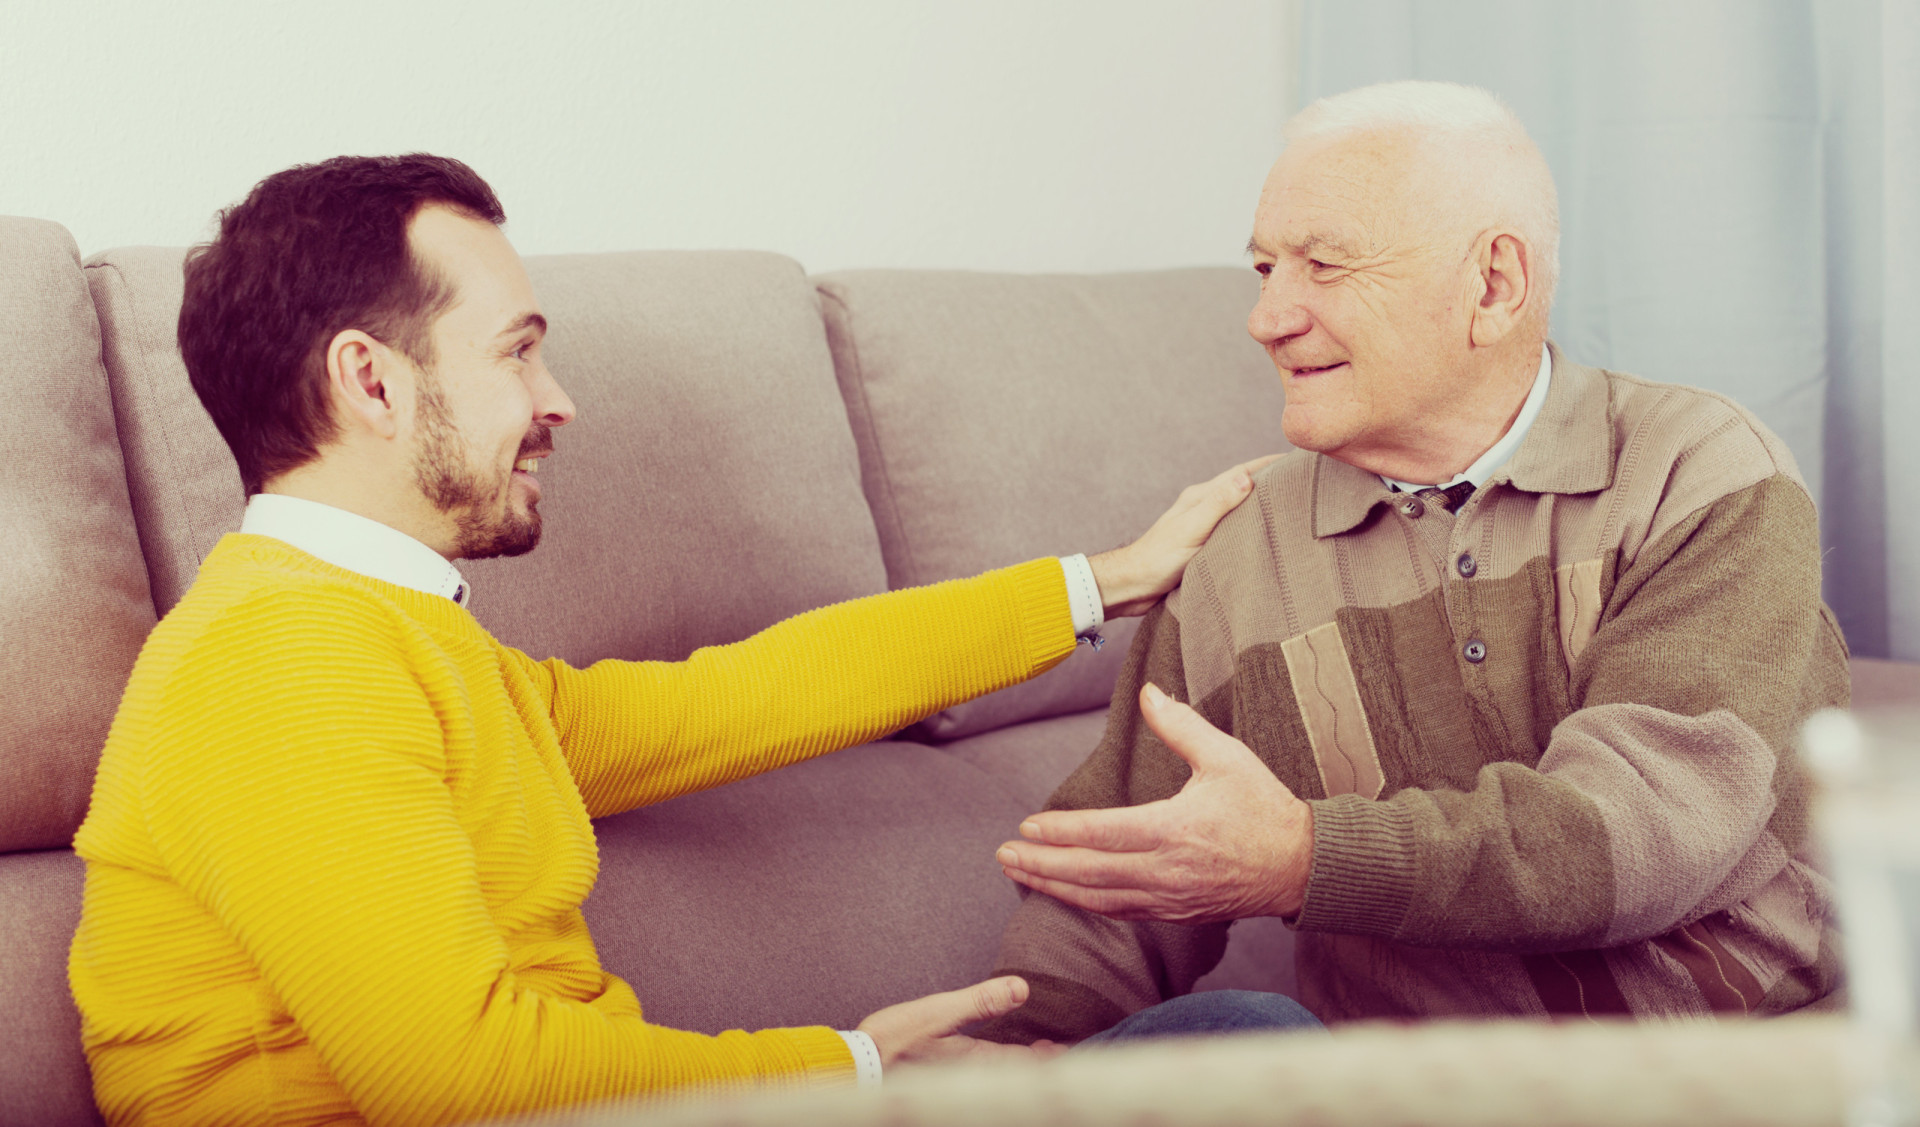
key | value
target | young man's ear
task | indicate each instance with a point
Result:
(1506, 288)
(361, 381)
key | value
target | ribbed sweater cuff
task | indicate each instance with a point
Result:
(1362, 882)
(824, 1055)
(1044, 613)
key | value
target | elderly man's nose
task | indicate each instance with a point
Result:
(1276, 318)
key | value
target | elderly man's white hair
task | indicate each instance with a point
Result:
(1497, 171)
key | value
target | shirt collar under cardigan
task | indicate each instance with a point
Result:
(356, 543)
(1498, 454)
(1568, 449)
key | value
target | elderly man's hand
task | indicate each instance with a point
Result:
(1133, 578)
(1234, 842)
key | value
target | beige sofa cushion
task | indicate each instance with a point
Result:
(1002, 417)
(814, 894)
(708, 488)
(74, 606)
(44, 1080)
(185, 486)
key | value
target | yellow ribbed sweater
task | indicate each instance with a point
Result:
(339, 839)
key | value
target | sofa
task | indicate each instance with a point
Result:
(752, 442)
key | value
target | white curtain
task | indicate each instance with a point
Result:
(1740, 210)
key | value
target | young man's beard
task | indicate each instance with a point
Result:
(488, 526)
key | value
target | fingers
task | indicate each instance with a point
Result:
(1258, 464)
(1227, 490)
(1123, 829)
(1218, 496)
(967, 1048)
(1091, 868)
(1190, 735)
(1118, 903)
(922, 1029)
(944, 1013)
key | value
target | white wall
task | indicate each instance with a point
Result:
(1086, 135)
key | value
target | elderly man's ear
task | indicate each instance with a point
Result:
(1505, 275)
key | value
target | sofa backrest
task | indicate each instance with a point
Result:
(74, 603)
(715, 481)
(1002, 417)
(709, 487)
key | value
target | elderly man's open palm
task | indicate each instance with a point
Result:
(1234, 842)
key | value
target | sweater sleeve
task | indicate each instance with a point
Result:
(1670, 793)
(312, 815)
(1086, 971)
(636, 733)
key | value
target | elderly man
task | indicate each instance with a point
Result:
(1491, 694)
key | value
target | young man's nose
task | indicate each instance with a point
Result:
(552, 407)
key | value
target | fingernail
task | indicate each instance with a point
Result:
(1030, 831)
(1155, 697)
(1244, 482)
(1007, 856)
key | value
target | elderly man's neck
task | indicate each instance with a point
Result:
(1445, 441)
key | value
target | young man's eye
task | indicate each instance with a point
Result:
(1263, 268)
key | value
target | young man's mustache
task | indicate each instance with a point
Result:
(539, 440)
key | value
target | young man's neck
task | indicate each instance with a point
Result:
(397, 504)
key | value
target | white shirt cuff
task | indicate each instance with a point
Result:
(866, 1057)
(1083, 595)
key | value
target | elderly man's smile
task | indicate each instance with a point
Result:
(1304, 372)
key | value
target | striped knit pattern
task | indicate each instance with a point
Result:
(1547, 737)
(340, 838)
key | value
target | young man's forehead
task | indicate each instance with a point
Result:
(481, 269)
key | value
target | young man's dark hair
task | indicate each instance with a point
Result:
(312, 251)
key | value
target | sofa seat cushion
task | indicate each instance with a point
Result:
(708, 488)
(44, 1080)
(815, 894)
(1002, 417)
(1032, 759)
(74, 604)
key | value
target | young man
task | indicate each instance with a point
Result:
(340, 835)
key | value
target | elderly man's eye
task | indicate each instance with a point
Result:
(1263, 268)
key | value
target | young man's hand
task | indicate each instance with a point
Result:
(1135, 577)
(923, 1029)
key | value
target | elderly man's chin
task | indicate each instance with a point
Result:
(1312, 426)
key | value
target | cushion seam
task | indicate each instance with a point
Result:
(873, 436)
(138, 315)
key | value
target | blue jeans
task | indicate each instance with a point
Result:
(1211, 1013)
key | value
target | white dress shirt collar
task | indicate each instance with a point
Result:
(1493, 459)
(356, 543)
